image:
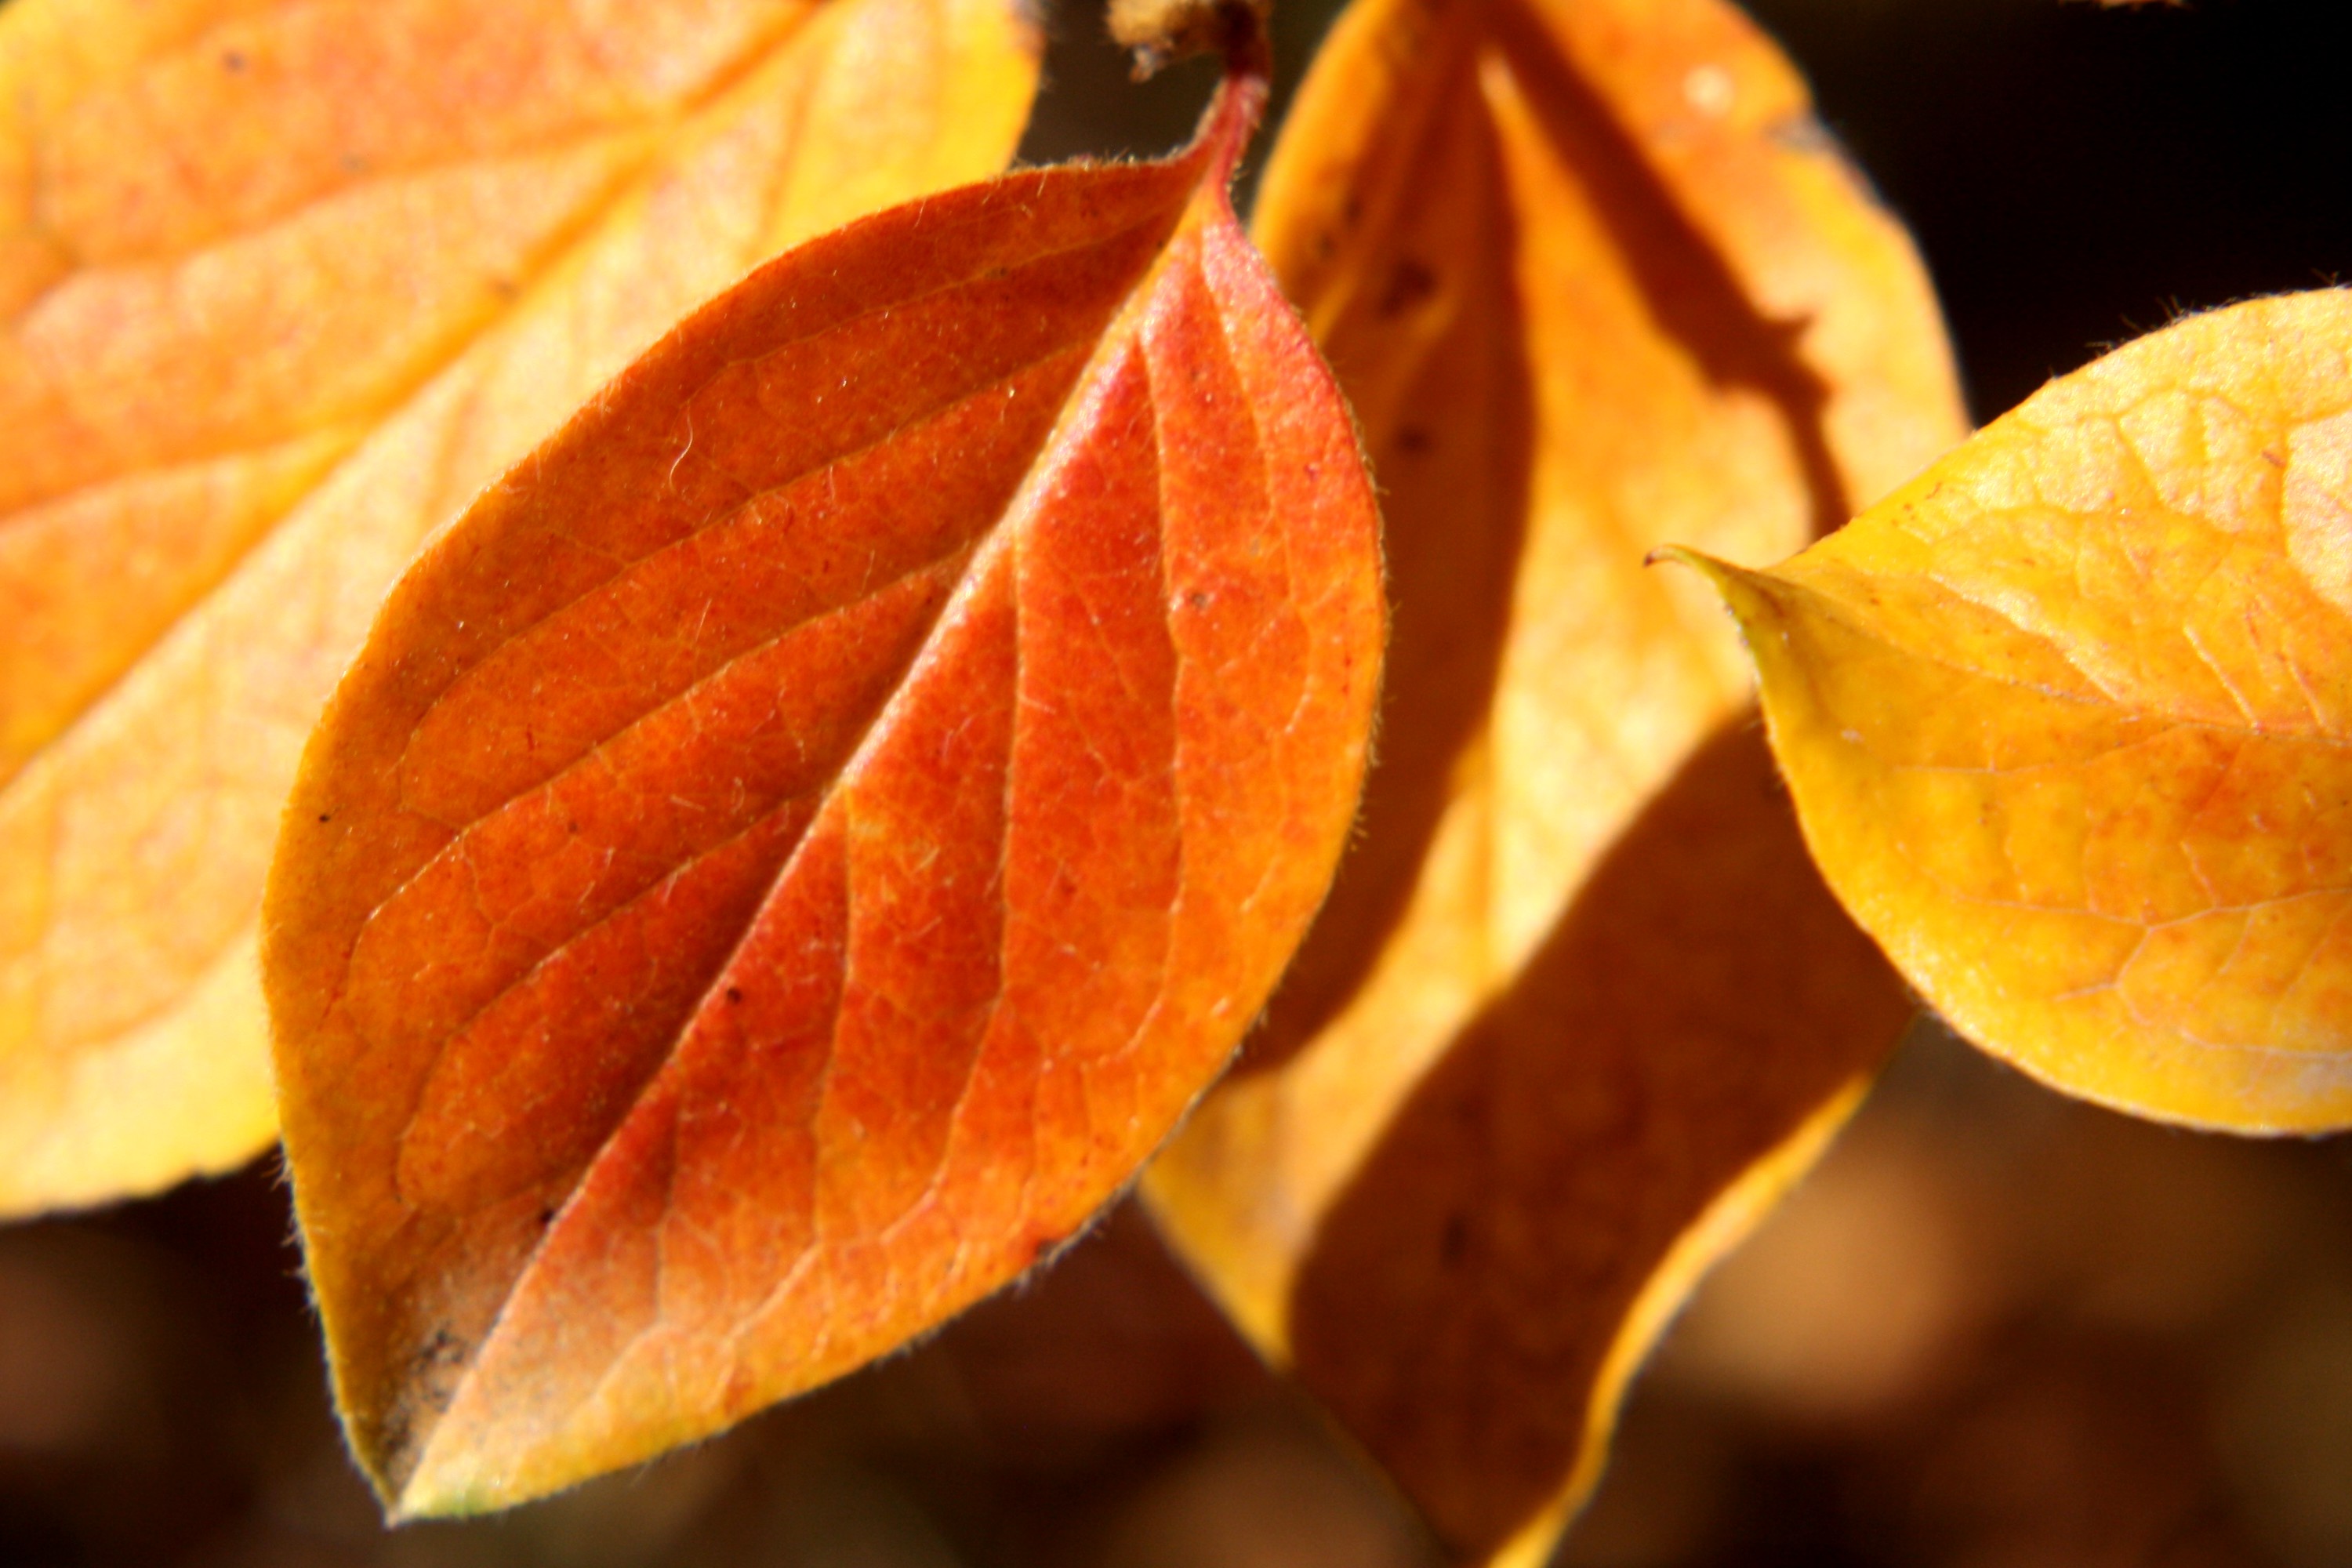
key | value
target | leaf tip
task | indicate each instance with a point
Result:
(1742, 590)
(396, 1452)
(1735, 583)
(1681, 555)
(431, 1491)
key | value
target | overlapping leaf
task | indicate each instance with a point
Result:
(2069, 721)
(791, 851)
(1590, 276)
(282, 286)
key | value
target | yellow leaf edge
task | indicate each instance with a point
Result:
(1719, 1229)
(1843, 845)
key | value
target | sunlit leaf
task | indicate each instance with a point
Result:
(281, 286)
(787, 855)
(2069, 721)
(1593, 278)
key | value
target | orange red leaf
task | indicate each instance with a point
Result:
(794, 848)
(281, 286)
(1590, 276)
(2069, 721)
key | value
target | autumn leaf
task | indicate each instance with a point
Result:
(795, 848)
(2069, 721)
(281, 286)
(1591, 276)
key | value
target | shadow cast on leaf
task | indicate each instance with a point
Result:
(1693, 296)
(1472, 1300)
(1455, 441)
(1454, 458)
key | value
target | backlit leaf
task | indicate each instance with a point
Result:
(791, 851)
(281, 286)
(1590, 276)
(2069, 721)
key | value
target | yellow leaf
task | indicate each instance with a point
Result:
(1593, 278)
(2069, 721)
(280, 287)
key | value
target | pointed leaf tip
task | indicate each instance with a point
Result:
(1744, 593)
(790, 852)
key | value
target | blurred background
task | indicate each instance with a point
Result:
(1995, 1329)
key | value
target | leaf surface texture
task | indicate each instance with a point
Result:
(795, 847)
(281, 287)
(2069, 721)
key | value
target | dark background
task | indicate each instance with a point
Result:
(1997, 1330)
(2075, 175)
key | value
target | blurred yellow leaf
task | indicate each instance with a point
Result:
(1593, 278)
(2069, 721)
(282, 286)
